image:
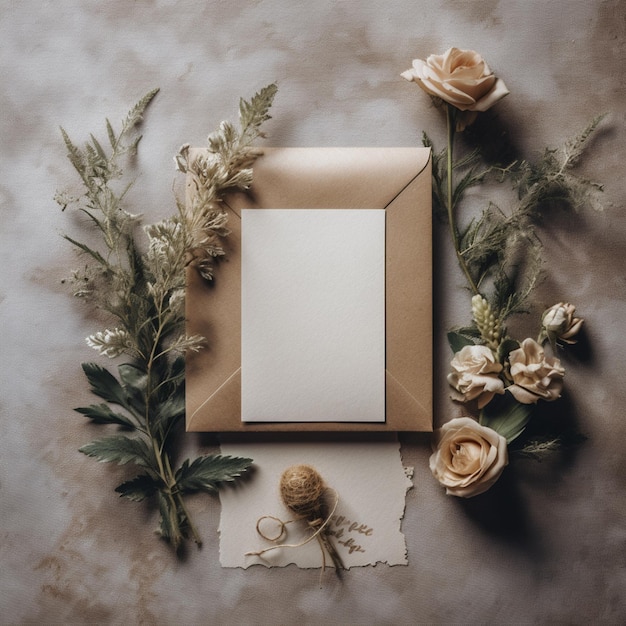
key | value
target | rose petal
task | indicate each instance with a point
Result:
(498, 91)
(409, 75)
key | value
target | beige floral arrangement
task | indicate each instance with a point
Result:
(498, 379)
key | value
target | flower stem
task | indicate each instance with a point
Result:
(451, 125)
(178, 496)
(195, 535)
(179, 515)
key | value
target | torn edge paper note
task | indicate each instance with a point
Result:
(371, 484)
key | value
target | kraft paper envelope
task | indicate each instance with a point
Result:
(395, 179)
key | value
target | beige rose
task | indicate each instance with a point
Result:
(460, 78)
(475, 375)
(535, 376)
(468, 458)
(559, 322)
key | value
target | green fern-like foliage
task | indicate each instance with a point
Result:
(499, 249)
(138, 277)
(226, 166)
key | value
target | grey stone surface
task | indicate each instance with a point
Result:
(546, 545)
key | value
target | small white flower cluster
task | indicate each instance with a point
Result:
(487, 321)
(226, 166)
(183, 343)
(166, 257)
(112, 343)
(166, 240)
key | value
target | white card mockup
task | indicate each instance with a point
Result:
(313, 315)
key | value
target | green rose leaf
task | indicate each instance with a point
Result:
(506, 416)
(506, 347)
(459, 339)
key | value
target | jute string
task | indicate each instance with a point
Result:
(302, 490)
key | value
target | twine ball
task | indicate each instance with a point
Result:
(302, 488)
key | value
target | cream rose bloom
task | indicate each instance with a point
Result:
(460, 78)
(468, 458)
(559, 322)
(474, 375)
(535, 376)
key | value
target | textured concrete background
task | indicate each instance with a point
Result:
(546, 545)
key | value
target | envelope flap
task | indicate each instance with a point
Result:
(331, 178)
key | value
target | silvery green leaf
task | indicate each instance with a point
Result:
(85, 248)
(252, 114)
(135, 114)
(458, 340)
(506, 347)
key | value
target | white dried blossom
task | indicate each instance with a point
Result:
(177, 301)
(112, 342)
(64, 199)
(183, 343)
(165, 255)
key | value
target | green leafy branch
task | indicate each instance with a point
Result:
(499, 252)
(140, 285)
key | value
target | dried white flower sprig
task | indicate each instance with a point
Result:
(498, 253)
(138, 278)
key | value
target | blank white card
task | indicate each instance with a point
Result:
(313, 315)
